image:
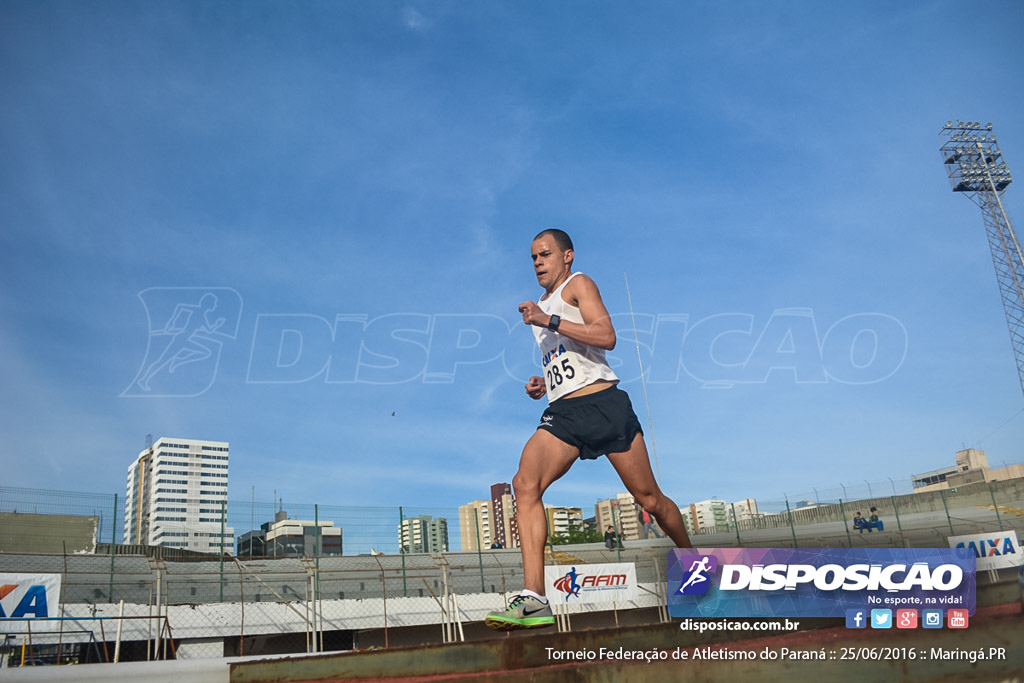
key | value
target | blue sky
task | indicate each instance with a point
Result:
(357, 185)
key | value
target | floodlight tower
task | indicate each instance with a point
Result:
(975, 167)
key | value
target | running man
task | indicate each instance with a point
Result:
(698, 572)
(588, 416)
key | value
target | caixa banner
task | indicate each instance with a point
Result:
(28, 595)
(798, 582)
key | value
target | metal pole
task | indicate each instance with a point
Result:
(223, 513)
(479, 549)
(896, 511)
(946, 508)
(995, 507)
(736, 521)
(316, 549)
(401, 548)
(618, 536)
(791, 527)
(842, 509)
(113, 526)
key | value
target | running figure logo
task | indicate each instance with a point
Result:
(187, 330)
(696, 579)
(569, 584)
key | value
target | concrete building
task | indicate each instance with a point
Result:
(476, 529)
(291, 538)
(708, 514)
(561, 519)
(623, 513)
(301, 537)
(423, 534)
(742, 510)
(629, 517)
(971, 467)
(176, 496)
(606, 514)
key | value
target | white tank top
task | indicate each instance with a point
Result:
(568, 364)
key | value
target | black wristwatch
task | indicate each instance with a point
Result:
(553, 323)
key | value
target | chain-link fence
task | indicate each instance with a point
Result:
(133, 602)
(44, 521)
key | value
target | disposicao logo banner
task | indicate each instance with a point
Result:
(798, 582)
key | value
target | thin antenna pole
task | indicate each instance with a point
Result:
(643, 381)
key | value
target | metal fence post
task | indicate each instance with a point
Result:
(618, 537)
(401, 548)
(479, 548)
(896, 511)
(791, 526)
(736, 521)
(995, 506)
(317, 551)
(946, 508)
(113, 527)
(223, 515)
(842, 509)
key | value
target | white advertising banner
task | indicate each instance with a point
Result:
(29, 596)
(995, 550)
(590, 583)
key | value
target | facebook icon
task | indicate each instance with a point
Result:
(855, 618)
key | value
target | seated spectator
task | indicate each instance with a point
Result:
(860, 523)
(874, 522)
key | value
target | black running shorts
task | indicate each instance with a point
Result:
(596, 424)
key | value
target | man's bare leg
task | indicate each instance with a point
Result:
(634, 468)
(545, 459)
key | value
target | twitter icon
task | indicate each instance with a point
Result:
(881, 618)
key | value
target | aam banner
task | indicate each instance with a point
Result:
(590, 583)
(29, 595)
(826, 582)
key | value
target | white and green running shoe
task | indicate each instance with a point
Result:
(524, 611)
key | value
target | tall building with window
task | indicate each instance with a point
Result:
(706, 515)
(423, 534)
(176, 496)
(629, 517)
(476, 530)
(506, 526)
(561, 520)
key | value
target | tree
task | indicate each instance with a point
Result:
(577, 534)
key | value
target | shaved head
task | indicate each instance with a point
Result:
(561, 238)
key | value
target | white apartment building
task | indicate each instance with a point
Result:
(629, 517)
(476, 530)
(176, 496)
(707, 514)
(423, 534)
(743, 510)
(560, 519)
